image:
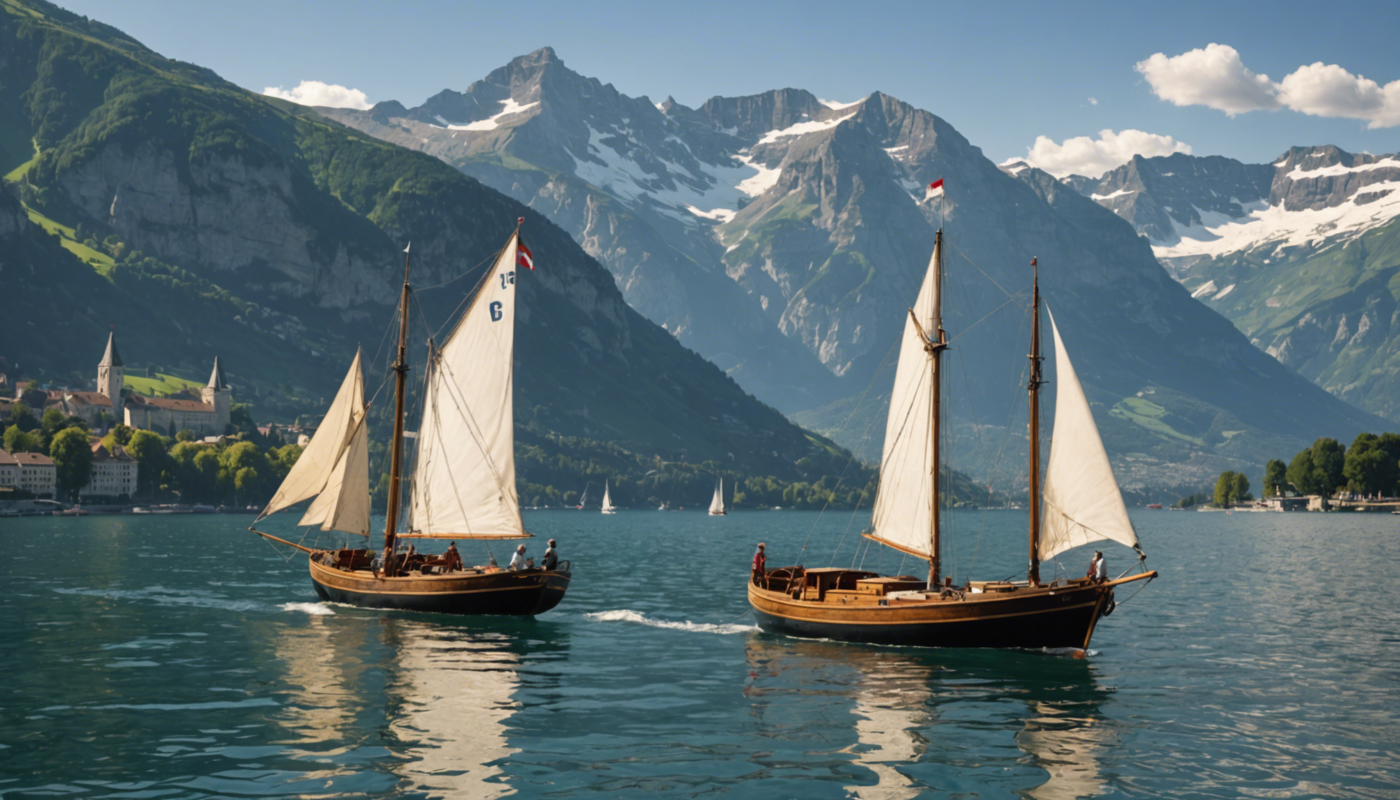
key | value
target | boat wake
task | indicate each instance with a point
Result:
(624, 615)
(314, 609)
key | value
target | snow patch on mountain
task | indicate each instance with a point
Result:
(1275, 226)
(1336, 170)
(835, 106)
(803, 128)
(1118, 193)
(490, 123)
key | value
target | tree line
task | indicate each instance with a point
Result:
(1370, 467)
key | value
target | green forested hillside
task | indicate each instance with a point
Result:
(219, 222)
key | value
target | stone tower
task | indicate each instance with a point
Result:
(109, 377)
(218, 396)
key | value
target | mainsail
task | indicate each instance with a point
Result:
(717, 504)
(903, 513)
(607, 500)
(334, 467)
(1082, 502)
(464, 481)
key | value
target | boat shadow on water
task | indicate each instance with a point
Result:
(910, 708)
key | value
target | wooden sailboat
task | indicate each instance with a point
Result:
(462, 486)
(717, 503)
(1081, 499)
(608, 507)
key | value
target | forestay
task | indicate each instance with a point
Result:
(903, 513)
(464, 481)
(1082, 502)
(327, 460)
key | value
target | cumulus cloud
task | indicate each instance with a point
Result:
(1083, 155)
(1093, 101)
(316, 93)
(1215, 76)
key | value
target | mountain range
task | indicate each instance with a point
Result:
(1302, 255)
(782, 236)
(200, 219)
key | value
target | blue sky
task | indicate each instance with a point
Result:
(1002, 73)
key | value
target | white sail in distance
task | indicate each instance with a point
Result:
(321, 461)
(717, 504)
(607, 500)
(904, 508)
(1081, 500)
(464, 482)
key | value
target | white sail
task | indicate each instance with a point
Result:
(1082, 502)
(607, 500)
(318, 462)
(903, 512)
(464, 482)
(344, 504)
(717, 503)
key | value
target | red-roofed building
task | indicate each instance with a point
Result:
(113, 473)
(208, 415)
(37, 473)
(9, 471)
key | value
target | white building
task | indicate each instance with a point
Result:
(113, 474)
(37, 473)
(9, 471)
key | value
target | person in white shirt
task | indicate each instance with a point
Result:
(517, 561)
(1098, 568)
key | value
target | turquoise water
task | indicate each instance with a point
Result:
(179, 657)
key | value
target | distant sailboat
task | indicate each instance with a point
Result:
(584, 498)
(1082, 504)
(608, 507)
(462, 483)
(717, 504)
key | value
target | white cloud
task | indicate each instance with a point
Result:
(1093, 101)
(1214, 76)
(316, 93)
(1327, 90)
(1083, 155)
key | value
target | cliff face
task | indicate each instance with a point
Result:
(293, 227)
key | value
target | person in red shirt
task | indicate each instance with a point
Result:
(760, 561)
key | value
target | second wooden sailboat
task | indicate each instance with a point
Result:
(462, 486)
(1082, 503)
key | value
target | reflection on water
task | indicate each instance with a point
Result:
(911, 709)
(451, 697)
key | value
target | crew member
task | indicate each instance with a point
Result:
(760, 561)
(1098, 568)
(551, 557)
(453, 558)
(517, 561)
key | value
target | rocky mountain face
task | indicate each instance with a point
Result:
(288, 228)
(811, 209)
(1301, 254)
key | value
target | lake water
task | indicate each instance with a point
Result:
(147, 657)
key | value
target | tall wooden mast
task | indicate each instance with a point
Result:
(1034, 386)
(935, 347)
(391, 521)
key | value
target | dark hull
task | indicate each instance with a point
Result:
(1063, 617)
(524, 593)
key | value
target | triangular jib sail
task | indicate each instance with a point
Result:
(903, 513)
(717, 503)
(334, 467)
(464, 481)
(607, 500)
(1082, 502)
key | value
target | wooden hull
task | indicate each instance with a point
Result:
(1043, 617)
(523, 593)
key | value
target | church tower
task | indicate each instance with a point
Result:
(218, 397)
(109, 377)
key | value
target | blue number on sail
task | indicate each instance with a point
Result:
(507, 278)
(496, 313)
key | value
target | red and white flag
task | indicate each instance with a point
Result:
(523, 257)
(935, 189)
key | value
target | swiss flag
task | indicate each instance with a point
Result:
(523, 257)
(935, 189)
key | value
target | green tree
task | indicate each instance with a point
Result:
(1239, 489)
(20, 413)
(238, 457)
(72, 460)
(1328, 459)
(1370, 465)
(1275, 477)
(1224, 489)
(186, 435)
(1300, 472)
(247, 482)
(53, 421)
(149, 451)
(18, 441)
